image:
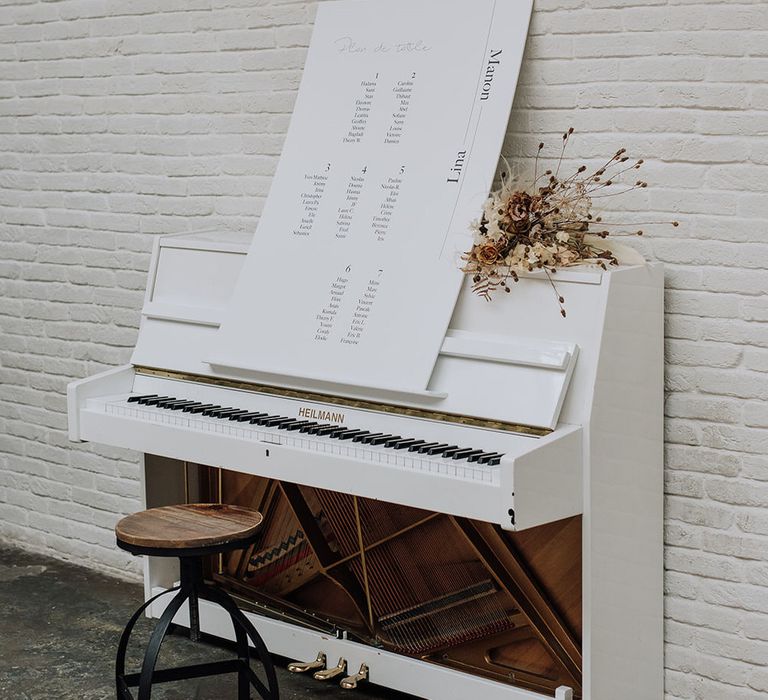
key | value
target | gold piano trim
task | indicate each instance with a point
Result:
(341, 401)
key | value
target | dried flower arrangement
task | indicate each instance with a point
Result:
(546, 226)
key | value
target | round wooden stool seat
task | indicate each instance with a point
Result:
(191, 532)
(192, 528)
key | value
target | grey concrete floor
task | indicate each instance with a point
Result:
(59, 627)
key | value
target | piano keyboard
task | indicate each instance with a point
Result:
(401, 451)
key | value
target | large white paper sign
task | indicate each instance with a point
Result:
(396, 132)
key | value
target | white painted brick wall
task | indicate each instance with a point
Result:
(124, 118)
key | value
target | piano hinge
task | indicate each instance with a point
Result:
(361, 404)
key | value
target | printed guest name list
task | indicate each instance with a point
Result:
(354, 269)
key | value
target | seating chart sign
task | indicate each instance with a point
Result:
(354, 269)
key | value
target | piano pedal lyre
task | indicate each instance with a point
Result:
(305, 666)
(331, 673)
(350, 682)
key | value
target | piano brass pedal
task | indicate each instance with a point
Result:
(350, 682)
(331, 673)
(305, 666)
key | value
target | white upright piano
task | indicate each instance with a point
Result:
(498, 536)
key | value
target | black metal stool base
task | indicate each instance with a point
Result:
(193, 588)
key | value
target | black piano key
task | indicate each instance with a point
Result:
(493, 461)
(419, 443)
(336, 431)
(488, 456)
(178, 405)
(134, 399)
(422, 449)
(366, 439)
(291, 424)
(152, 400)
(393, 441)
(313, 429)
(277, 422)
(226, 412)
(438, 449)
(245, 417)
(263, 420)
(304, 424)
(215, 412)
(298, 425)
(163, 403)
(402, 444)
(155, 401)
(450, 451)
(203, 408)
(382, 439)
(324, 429)
(361, 435)
(236, 414)
(327, 429)
(465, 453)
(143, 400)
(188, 408)
(308, 427)
(349, 434)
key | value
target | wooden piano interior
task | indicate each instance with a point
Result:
(444, 589)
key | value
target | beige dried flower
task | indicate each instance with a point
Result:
(487, 254)
(544, 227)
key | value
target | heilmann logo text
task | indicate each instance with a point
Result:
(321, 414)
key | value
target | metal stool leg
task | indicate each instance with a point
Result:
(122, 647)
(191, 589)
(244, 656)
(192, 580)
(156, 640)
(270, 691)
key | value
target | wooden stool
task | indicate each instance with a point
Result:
(191, 532)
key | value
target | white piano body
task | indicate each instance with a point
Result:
(573, 404)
